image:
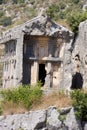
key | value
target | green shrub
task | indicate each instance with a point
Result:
(3, 1)
(75, 19)
(79, 99)
(52, 10)
(15, 1)
(62, 5)
(62, 15)
(62, 117)
(32, 2)
(6, 21)
(18, 1)
(30, 12)
(73, 22)
(1, 111)
(1, 13)
(23, 95)
(75, 1)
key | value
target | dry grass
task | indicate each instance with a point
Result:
(59, 100)
(55, 99)
(85, 90)
(10, 108)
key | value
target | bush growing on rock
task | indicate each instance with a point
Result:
(79, 98)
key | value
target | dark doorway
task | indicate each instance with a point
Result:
(77, 81)
(42, 73)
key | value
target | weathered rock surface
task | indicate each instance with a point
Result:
(48, 119)
(76, 58)
(52, 119)
(28, 121)
(80, 49)
(71, 122)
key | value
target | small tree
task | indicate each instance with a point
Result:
(53, 10)
(75, 19)
(75, 1)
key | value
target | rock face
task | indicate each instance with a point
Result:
(79, 53)
(76, 58)
(49, 119)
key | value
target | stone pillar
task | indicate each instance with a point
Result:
(66, 75)
(56, 75)
(49, 76)
(19, 58)
(34, 73)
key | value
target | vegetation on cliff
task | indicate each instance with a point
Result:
(66, 12)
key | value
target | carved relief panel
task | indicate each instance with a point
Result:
(10, 48)
(42, 46)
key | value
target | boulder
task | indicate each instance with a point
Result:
(53, 123)
(28, 121)
(71, 122)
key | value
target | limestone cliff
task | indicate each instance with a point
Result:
(79, 53)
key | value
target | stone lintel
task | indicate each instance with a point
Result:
(52, 59)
